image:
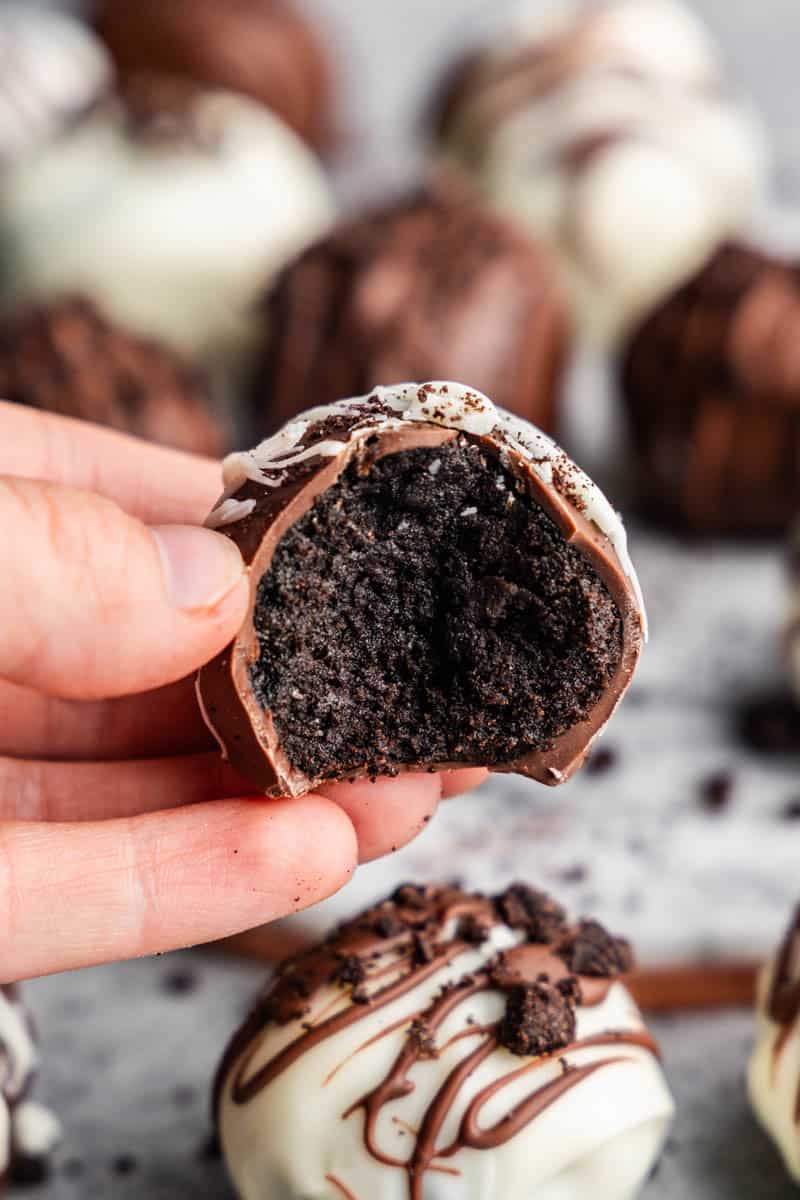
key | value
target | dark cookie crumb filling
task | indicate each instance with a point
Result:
(427, 610)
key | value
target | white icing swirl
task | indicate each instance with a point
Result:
(445, 403)
(30, 1128)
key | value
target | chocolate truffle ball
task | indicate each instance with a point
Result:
(263, 48)
(28, 1132)
(711, 383)
(609, 130)
(433, 583)
(67, 358)
(774, 1076)
(170, 213)
(54, 72)
(447, 1044)
(433, 287)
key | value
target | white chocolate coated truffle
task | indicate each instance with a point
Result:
(774, 1074)
(54, 71)
(174, 229)
(418, 1097)
(609, 131)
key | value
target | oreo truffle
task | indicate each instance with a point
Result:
(432, 287)
(433, 584)
(67, 358)
(263, 48)
(609, 130)
(447, 1043)
(774, 1074)
(711, 384)
(28, 1132)
(170, 211)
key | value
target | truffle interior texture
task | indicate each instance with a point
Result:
(427, 610)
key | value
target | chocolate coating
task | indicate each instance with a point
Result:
(711, 383)
(271, 491)
(433, 287)
(464, 1020)
(264, 48)
(67, 358)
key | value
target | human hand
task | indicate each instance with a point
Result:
(122, 832)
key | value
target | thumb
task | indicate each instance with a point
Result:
(95, 604)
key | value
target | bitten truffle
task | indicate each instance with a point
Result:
(485, 1069)
(774, 1076)
(263, 48)
(67, 358)
(711, 383)
(609, 130)
(28, 1132)
(433, 287)
(433, 583)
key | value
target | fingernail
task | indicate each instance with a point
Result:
(200, 566)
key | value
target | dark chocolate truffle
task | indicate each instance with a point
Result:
(366, 1071)
(711, 383)
(28, 1132)
(432, 287)
(65, 357)
(433, 583)
(264, 48)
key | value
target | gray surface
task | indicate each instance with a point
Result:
(118, 1047)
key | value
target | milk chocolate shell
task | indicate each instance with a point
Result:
(28, 1132)
(433, 584)
(66, 357)
(447, 1045)
(263, 48)
(711, 383)
(434, 286)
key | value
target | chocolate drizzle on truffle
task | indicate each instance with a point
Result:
(712, 387)
(533, 978)
(435, 286)
(433, 583)
(66, 357)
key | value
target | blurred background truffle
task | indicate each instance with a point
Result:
(434, 286)
(67, 358)
(711, 383)
(609, 130)
(263, 48)
(54, 72)
(170, 214)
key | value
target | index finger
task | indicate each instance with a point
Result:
(157, 485)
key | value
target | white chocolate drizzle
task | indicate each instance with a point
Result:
(33, 1130)
(443, 403)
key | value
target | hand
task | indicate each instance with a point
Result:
(122, 832)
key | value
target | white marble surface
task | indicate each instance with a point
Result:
(128, 1063)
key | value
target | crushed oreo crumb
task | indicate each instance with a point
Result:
(593, 952)
(522, 907)
(539, 1019)
(716, 792)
